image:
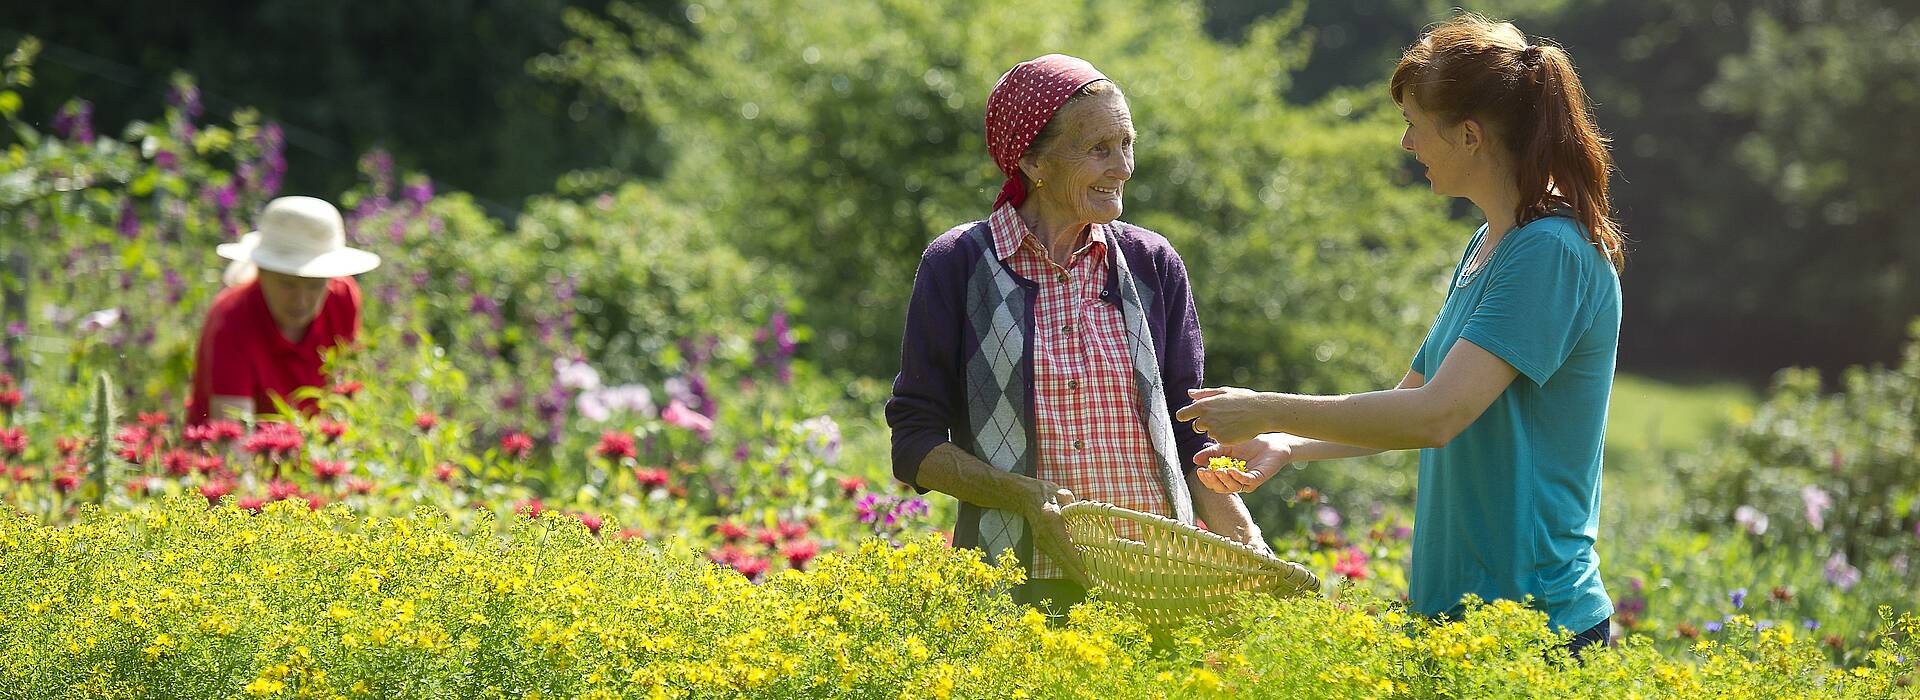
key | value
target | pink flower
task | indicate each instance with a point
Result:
(679, 416)
(275, 440)
(154, 420)
(444, 472)
(651, 479)
(359, 486)
(729, 530)
(516, 445)
(852, 485)
(136, 443)
(793, 530)
(347, 389)
(13, 441)
(616, 445)
(213, 491)
(327, 471)
(10, 398)
(251, 503)
(590, 520)
(1817, 502)
(750, 567)
(208, 464)
(425, 421)
(282, 490)
(330, 430)
(532, 508)
(767, 537)
(799, 553)
(179, 462)
(66, 481)
(1352, 564)
(69, 446)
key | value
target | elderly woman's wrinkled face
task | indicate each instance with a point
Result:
(1088, 162)
(293, 301)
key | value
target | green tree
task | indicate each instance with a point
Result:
(840, 138)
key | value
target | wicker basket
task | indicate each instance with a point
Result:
(1174, 571)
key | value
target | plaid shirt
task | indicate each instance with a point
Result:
(1092, 431)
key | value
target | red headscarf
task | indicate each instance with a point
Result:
(1024, 101)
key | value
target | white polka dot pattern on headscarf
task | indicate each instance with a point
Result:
(1021, 103)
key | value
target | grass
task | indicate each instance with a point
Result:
(1650, 415)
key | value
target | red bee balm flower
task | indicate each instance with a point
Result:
(359, 486)
(347, 389)
(750, 567)
(327, 471)
(590, 520)
(275, 440)
(251, 503)
(66, 482)
(852, 485)
(799, 553)
(445, 472)
(425, 421)
(793, 530)
(282, 490)
(13, 441)
(154, 420)
(179, 462)
(615, 445)
(213, 491)
(516, 445)
(1352, 564)
(651, 479)
(330, 430)
(729, 530)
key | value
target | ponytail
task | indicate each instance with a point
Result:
(1473, 67)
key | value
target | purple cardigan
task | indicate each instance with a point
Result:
(940, 386)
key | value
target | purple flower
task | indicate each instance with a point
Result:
(129, 220)
(166, 160)
(227, 197)
(16, 328)
(1636, 584)
(420, 192)
(1840, 573)
(865, 508)
(1739, 596)
(1712, 626)
(74, 122)
(1763, 624)
(1327, 516)
(377, 165)
(186, 97)
(1811, 624)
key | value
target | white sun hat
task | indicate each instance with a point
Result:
(303, 237)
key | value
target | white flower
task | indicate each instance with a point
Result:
(1817, 502)
(822, 435)
(99, 320)
(575, 374)
(1750, 518)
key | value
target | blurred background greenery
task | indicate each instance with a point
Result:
(1761, 144)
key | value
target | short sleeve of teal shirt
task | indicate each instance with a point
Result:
(1510, 507)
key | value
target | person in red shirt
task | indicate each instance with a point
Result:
(291, 298)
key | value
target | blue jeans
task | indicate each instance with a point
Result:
(1596, 635)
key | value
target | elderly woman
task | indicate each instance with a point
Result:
(292, 298)
(1047, 346)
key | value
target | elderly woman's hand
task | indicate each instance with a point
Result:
(1229, 415)
(1050, 529)
(1265, 456)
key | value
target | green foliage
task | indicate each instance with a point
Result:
(1838, 473)
(835, 137)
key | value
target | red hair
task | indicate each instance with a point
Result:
(1471, 67)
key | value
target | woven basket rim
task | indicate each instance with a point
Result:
(1270, 561)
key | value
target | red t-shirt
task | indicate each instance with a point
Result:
(243, 353)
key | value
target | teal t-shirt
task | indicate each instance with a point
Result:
(1510, 507)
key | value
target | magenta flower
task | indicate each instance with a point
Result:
(679, 416)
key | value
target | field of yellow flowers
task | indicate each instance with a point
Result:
(179, 600)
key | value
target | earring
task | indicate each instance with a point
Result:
(1039, 183)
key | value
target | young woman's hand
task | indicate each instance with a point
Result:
(1265, 456)
(1229, 415)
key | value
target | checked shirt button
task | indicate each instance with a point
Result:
(1079, 444)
